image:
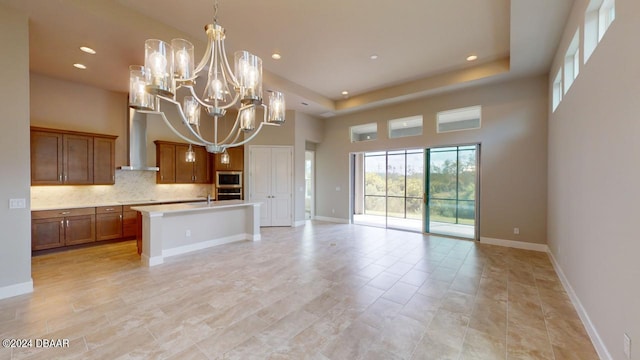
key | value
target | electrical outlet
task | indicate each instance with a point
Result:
(627, 346)
(516, 231)
(188, 233)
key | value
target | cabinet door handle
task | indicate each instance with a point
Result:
(109, 209)
(65, 213)
(120, 217)
(67, 223)
(66, 177)
(60, 177)
(61, 224)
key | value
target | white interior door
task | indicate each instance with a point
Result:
(282, 186)
(260, 182)
(271, 183)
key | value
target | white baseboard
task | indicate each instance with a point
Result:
(16, 289)
(331, 219)
(204, 245)
(151, 261)
(299, 223)
(515, 244)
(256, 237)
(586, 321)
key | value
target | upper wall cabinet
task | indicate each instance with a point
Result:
(236, 160)
(71, 158)
(104, 165)
(174, 169)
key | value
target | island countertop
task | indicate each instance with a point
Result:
(191, 207)
(174, 229)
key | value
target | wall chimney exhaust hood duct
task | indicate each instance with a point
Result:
(138, 143)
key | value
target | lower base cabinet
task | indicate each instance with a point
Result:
(47, 233)
(65, 227)
(129, 222)
(56, 228)
(108, 222)
(80, 229)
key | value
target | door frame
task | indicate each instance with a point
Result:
(312, 184)
(353, 165)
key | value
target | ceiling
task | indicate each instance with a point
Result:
(421, 45)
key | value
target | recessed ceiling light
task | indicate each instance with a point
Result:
(88, 50)
(276, 56)
(373, 57)
(472, 57)
(345, 93)
(79, 66)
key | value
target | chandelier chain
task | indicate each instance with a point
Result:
(215, 12)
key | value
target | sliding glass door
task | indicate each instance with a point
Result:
(391, 194)
(452, 181)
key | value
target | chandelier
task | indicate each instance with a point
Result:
(169, 67)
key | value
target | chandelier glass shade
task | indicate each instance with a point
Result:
(190, 155)
(224, 158)
(170, 67)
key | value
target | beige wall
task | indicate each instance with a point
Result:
(513, 141)
(296, 131)
(60, 104)
(594, 151)
(307, 130)
(276, 135)
(15, 256)
(66, 105)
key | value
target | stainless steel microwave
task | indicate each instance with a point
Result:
(228, 179)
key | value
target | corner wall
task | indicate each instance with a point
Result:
(296, 131)
(513, 159)
(594, 152)
(15, 257)
(308, 129)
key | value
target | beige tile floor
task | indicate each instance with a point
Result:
(322, 291)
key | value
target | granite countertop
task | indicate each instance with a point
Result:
(38, 207)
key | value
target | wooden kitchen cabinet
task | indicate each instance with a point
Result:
(104, 160)
(60, 157)
(129, 222)
(56, 228)
(46, 158)
(166, 161)
(236, 160)
(198, 172)
(47, 233)
(109, 222)
(77, 157)
(80, 229)
(64, 227)
(174, 169)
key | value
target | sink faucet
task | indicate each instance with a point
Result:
(209, 198)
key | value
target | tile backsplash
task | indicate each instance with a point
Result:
(129, 186)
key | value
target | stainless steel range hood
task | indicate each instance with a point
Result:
(137, 146)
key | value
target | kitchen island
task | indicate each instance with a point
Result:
(173, 229)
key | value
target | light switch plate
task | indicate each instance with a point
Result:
(17, 203)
